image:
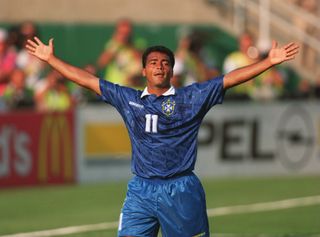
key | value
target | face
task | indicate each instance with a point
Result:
(245, 42)
(158, 70)
(124, 30)
(2, 47)
(18, 79)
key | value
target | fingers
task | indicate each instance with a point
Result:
(51, 42)
(291, 46)
(288, 45)
(31, 46)
(37, 40)
(291, 49)
(274, 44)
(292, 52)
(31, 43)
(290, 58)
(31, 51)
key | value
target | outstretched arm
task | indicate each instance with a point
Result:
(75, 74)
(276, 56)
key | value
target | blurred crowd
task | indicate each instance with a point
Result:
(310, 8)
(26, 82)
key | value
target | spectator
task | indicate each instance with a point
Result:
(52, 94)
(7, 60)
(267, 86)
(27, 30)
(16, 95)
(87, 94)
(245, 55)
(308, 56)
(317, 86)
(81, 95)
(14, 37)
(120, 59)
(191, 65)
(32, 66)
(304, 90)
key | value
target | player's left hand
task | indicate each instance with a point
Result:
(285, 53)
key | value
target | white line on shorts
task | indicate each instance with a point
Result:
(219, 211)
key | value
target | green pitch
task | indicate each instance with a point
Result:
(43, 208)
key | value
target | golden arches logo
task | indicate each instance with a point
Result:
(55, 142)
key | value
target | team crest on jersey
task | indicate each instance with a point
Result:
(168, 107)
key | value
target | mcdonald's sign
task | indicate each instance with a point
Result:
(55, 153)
(37, 148)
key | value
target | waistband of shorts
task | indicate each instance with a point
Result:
(165, 179)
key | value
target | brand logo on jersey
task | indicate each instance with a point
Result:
(136, 105)
(168, 107)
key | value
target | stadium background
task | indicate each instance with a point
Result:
(250, 152)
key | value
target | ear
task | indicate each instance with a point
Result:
(143, 72)
(172, 72)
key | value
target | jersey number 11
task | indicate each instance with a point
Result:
(151, 123)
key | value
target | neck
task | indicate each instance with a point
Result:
(158, 90)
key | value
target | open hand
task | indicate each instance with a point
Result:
(285, 53)
(40, 50)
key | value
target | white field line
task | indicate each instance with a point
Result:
(264, 206)
(219, 211)
(67, 230)
(253, 235)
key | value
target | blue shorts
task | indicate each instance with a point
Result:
(176, 205)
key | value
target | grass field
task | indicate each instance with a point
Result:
(43, 208)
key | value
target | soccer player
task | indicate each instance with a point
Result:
(163, 124)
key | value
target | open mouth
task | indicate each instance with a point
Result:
(159, 74)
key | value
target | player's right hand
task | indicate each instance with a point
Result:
(40, 50)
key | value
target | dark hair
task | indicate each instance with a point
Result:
(158, 48)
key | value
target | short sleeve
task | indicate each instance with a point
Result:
(215, 91)
(115, 95)
(209, 93)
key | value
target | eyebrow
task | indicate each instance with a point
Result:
(156, 59)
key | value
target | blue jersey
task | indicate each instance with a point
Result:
(163, 130)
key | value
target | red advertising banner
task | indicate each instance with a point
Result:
(36, 148)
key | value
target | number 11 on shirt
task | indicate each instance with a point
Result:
(151, 123)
